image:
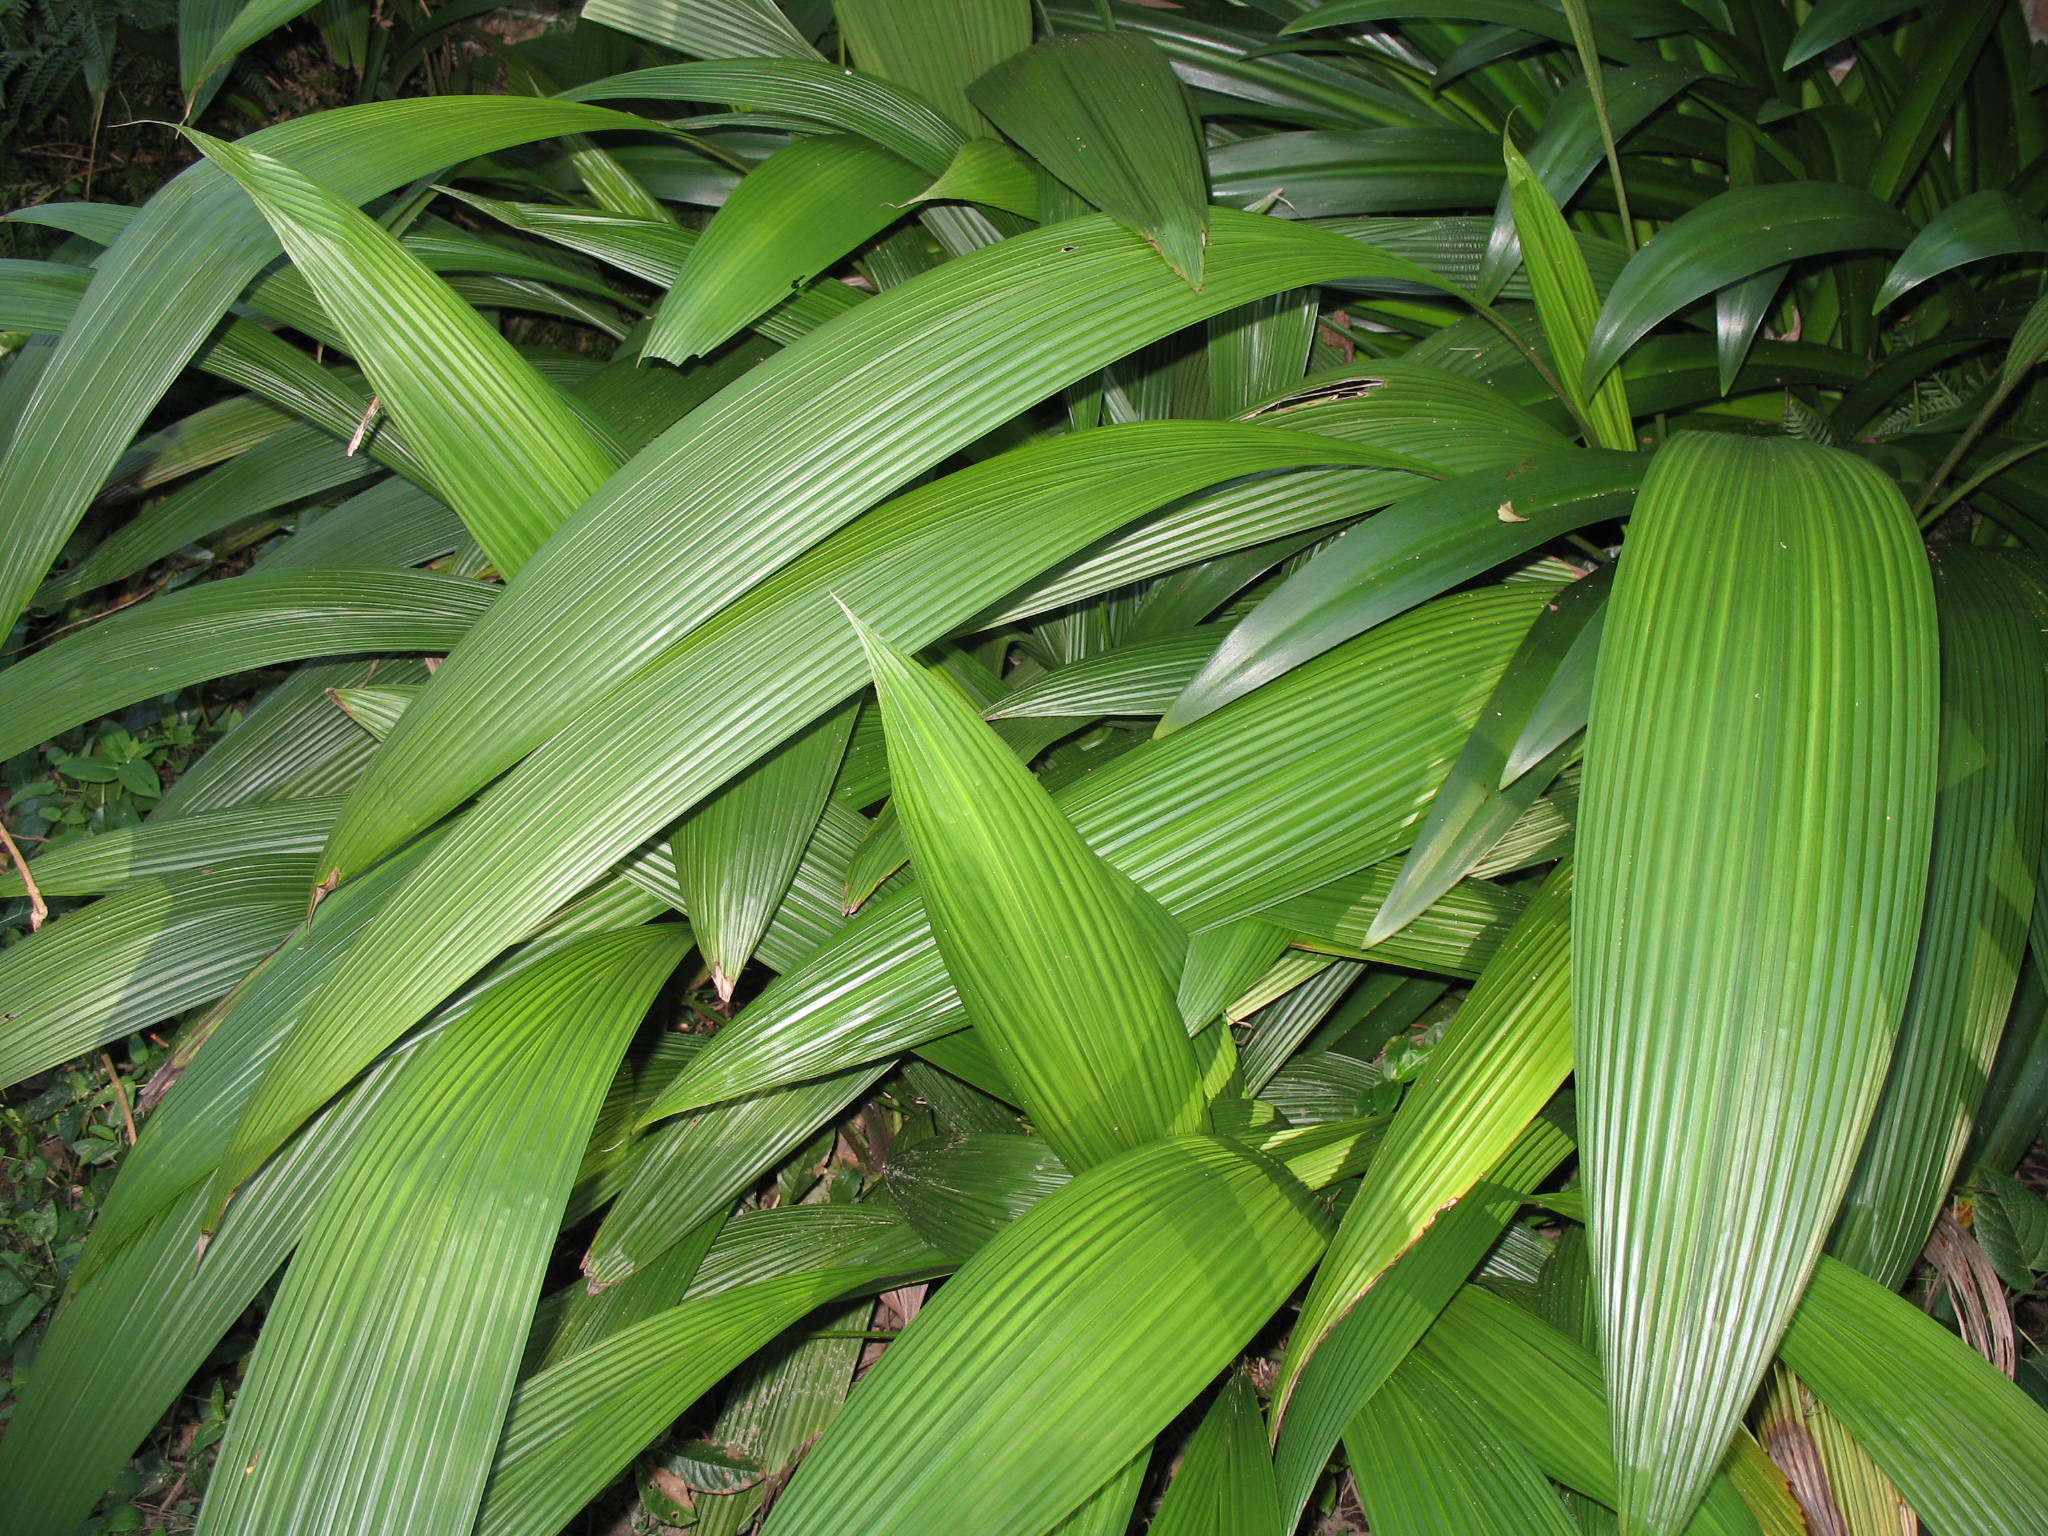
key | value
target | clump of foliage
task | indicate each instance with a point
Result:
(1055, 767)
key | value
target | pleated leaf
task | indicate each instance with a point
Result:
(1104, 112)
(504, 448)
(572, 1427)
(709, 29)
(736, 854)
(1425, 1463)
(1752, 858)
(1097, 1278)
(1192, 821)
(1728, 238)
(1042, 940)
(135, 959)
(688, 726)
(1544, 1390)
(1369, 1337)
(1425, 544)
(800, 445)
(1565, 303)
(1980, 894)
(1225, 1483)
(158, 293)
(936, 48)
(1967, 1448)
(447, 1209)
(803, 209)
(1973, 228)
(95, 863)
(210, 631)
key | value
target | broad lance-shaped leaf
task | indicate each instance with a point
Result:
(209, 631)
(103, 861)
(503, 446)
(1967, 1448)
(1417, 548)
(1565, 303)
(137, 958)
(711, 29)
(735, 855)
(1753, 844)
(1973, 228)
(794, 449)
(1731, 237)
(1042, 939)
(1980, 894)
(1105, 113)
(160, 290)
(1538, 705)
(1098, 1277)
(1500, 1060)
(450, 1201)
(936, 48)
(1426, 1461)
(1225, 1483)
(801, 210)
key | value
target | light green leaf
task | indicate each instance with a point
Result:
(1225, 1483)
(709, 29)
(92, 864)
(450, 1200)
(502, 445)
(1036, 933)
(1424, 545)
(1980, 894)
(1752, 858)
(788, 220)
(129, 961)
(209, 631)
(1967, 1448)
(1565, 303)
(1095, 1276)
(1104, 112)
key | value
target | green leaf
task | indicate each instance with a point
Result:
(709, 29)
(988, 171)
(1565, 303)
(1191, 819)
(1980, 894)
(1367, 170)
(799, 446)
(165, 283)
(1137, 679)
(737, 852)
(1538, 705)
(787, 221)
(2011, 1222)
(1752, 857)
(1504, 1055)
(958, 1196)
(1425, 1462)
(1036, 933)
(451, 1201)
(105, 861)
(848, 100)
(502, 445)
(1728, 238)
(1538, 1386)
(1095, 1276)
(132, 960)
(708, 711)
(936, 48)
(1967, 1448)
(572, 1427)
(1104, 112)
(1424, 545)
(1225, 1483)
(209, 631)
(1973, 228)
(1836, 21)
(245, 24)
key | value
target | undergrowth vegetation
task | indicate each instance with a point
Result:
(1007, 766)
